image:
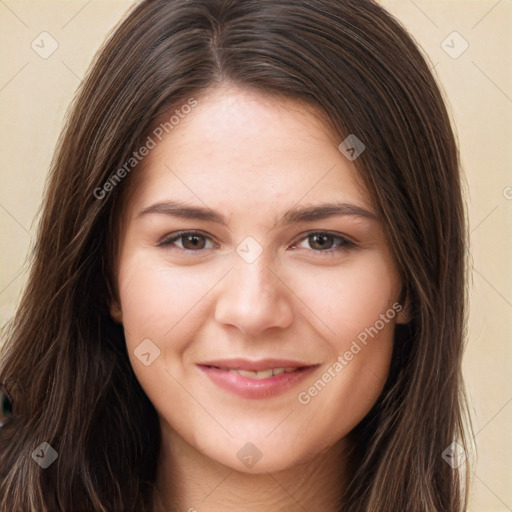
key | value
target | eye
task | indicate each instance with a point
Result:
(187, 241)
(195, 241)
(326, 242)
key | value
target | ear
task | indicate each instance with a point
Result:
(403, 316)
(116, 311)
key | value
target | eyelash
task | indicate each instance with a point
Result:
(343, 244)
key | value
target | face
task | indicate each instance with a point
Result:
(256, 287)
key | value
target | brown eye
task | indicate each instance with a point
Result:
(187, 241)
(325, 242)
(320, 241)
(191, 242)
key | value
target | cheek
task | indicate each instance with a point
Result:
(355, 381)
(357, 306)
(157, 299)
(349, 298)
(162, 304)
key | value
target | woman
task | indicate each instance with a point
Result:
(247, 290)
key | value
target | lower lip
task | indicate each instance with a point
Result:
(255, 388)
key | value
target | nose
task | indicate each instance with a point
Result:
(253, 298)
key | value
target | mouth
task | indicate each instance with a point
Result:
(267, 373)
(256, 379)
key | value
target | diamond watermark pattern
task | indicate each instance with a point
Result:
(455, 45)
(146, 352)
(352, 147)
(249, 249)
(249, 455)
(454, 455)
(44, 45)
(44, 455)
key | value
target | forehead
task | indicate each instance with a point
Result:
(241, 149)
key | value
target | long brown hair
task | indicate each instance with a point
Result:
(65, 360)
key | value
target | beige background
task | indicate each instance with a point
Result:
(35, 92)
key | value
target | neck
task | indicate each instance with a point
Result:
(189, 481)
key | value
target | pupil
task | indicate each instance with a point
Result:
(321, 240)
(193, 241)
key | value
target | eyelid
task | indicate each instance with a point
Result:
(345, 242)
(167, 240)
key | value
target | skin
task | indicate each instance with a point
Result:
(250, 158)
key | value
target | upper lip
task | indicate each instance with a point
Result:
(255, 366)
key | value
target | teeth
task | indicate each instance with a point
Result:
(263, 374)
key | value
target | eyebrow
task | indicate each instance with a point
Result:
(293, 215)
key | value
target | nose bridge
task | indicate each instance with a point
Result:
(253, 298)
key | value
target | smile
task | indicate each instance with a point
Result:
(261, 379)
(263, 374)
